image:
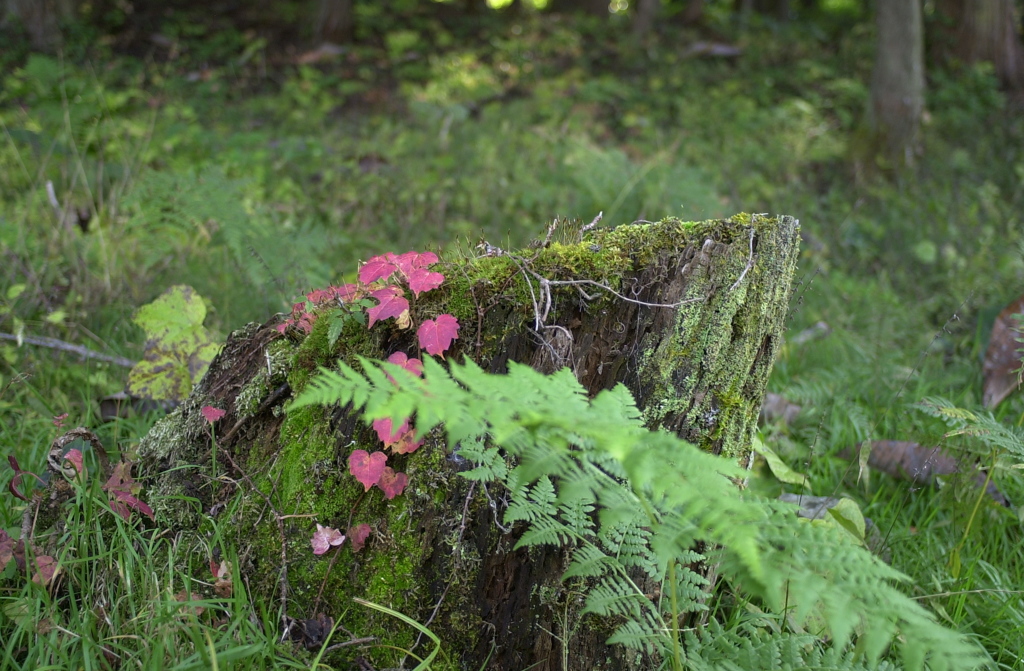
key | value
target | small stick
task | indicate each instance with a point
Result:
(81, 351)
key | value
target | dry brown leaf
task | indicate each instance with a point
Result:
(906, 460)
(1002, 361)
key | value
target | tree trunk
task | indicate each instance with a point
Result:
(335, 21)
(694, 12)
(986, 30)
(41, 19)
(643, 20)
(692, 332)
(597, 8)
(897, 83)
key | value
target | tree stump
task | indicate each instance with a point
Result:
(689, 316)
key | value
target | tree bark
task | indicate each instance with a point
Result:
(897, 82)
(643, 20)
(597, 8)
(985, 30)
(335, 21)
(41, 19)
(692, 332)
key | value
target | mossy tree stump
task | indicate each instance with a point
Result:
(688, 316)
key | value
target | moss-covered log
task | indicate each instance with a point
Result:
(688, 315)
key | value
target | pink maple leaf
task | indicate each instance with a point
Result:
(76, 459)
(414, 366)
(407, 443)
(386, 433)
(211, 413)
(421, 280)
(392, 483)
(358, 535)
(410, 261)
(367, 467)
(6, 549)
(324, 538)
(379, 267)
(122, 490)
(436, 335)
(46, 570)
(392, 304)
(349, 293)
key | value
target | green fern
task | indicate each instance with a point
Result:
(589, 477)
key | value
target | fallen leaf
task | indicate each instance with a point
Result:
(46, 570)
(1002, 359)
(358, 536)
(907, 460)
(392, 483)
(324, 538)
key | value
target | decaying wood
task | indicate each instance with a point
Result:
(688, 316)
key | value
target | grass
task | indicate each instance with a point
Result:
(254, 189)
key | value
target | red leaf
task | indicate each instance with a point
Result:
(358, 536)
(76, 459)
(379, 267)
(349, 293)
(392, 304)
(58, 420)
(211, 413)
(324, 538)
(422, 280)
(411, 261)
(12, 486)
(392, 483)
(367, 467)
(124, 502)
(46, 569)
(6, 549)
(407, 444)
(414, 366)
(388, 435)
(436, 335)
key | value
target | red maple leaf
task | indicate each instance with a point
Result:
(436, 335)
(410, 261)
(324, 538)
(122, 490)
(46, 570)
(358, 536)
(379, 267)
(349, 293)
(367, 467)
(387, 434)
(414, 366)
(6, 549)
(211, 413)
(392, 304)
(392, 483)
(421, 280)
(76, 458)
(58, 420)
(407, 443)
(12, 486)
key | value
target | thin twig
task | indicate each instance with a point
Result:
(750, 261)
(80, 350)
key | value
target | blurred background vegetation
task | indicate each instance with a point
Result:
(257, 150)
